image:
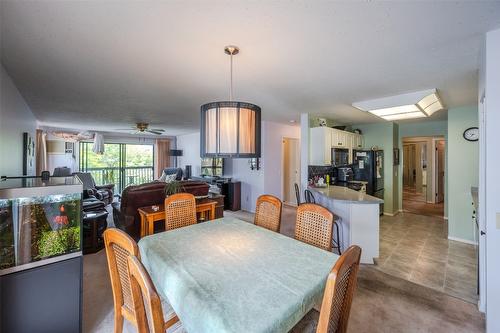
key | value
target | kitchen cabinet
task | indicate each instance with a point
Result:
(356, 141)
(323, 139)
(341, 139)
(320, 146)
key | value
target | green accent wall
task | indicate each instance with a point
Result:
(382, 136)
(463, 172)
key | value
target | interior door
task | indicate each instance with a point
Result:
(291, 168)
(440, 148)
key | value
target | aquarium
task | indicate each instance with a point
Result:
(39, 221)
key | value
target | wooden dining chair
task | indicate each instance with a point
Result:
(146, 300)
(119, 246)
(314, 226)
(339, 291)
(180, 210)
(268, 212)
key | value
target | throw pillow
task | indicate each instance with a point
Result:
(170, 178)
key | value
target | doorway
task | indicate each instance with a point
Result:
(423, 175)
(291, 169)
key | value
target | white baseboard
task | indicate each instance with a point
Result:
(393, 214)
(462, 240)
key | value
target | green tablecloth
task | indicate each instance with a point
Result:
(231, 276)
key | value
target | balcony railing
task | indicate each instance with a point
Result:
(122, 177)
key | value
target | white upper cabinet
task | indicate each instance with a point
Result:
(341, 139)
(323, 139)
(320, 146)
(357, 141)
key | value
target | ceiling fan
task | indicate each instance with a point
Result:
(143, 128)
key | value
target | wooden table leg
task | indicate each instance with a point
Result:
(144, 226)
(212, 211)
(151, 226)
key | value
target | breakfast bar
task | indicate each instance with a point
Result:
(359, 217)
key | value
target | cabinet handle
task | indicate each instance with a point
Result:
(340, 143)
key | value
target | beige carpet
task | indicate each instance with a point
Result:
(382, 303)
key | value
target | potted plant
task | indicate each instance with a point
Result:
(173, 188)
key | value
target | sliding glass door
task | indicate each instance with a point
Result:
(121, 164)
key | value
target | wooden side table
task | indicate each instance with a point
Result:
(150, 216)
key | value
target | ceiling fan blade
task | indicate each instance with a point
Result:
(157, 129)
(154, 132)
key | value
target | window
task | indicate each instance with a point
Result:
(212, 166)
(121, 164)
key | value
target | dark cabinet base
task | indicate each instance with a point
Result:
(42, 299)
(232, 195)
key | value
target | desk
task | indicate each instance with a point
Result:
(231, 276)
(149, 216)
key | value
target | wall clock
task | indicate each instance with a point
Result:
(471, 134)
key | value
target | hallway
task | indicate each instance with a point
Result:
(415, 203)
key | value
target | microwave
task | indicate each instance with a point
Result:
(340, 156)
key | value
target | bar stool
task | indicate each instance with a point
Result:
(336, 244)
(309, 197)
(297, 193)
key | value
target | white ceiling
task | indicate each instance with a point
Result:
(105, 64)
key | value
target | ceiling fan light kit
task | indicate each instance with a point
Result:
(419, 104)
(230, 129)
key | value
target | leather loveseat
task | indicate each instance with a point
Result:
(125, 214)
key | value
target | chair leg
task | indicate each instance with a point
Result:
(118, 321)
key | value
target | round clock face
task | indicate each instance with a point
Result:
(471, 134)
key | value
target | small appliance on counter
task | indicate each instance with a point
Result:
(344, 174)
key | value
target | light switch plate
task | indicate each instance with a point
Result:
(498, 220)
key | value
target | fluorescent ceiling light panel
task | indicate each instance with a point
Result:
(409, 115)
(405, 106)
(395, 110)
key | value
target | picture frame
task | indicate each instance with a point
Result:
(395, 156)
(28, 155)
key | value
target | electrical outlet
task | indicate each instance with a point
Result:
(498, 220)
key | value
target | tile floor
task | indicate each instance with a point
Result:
(415, 247)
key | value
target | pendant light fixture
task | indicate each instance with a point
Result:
(230, 129)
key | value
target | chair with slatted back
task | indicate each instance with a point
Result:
(146, 301)
(120, 246)
(339, 291)
(314, 225)
(268, 212)
(180, 210)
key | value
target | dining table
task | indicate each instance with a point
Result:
(229, 275)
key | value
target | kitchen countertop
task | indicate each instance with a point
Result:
(342, 193)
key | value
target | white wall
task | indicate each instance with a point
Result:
(273, 155)
(492, 179)
(62, 160)
(190, 145)
(15, 119)
(254, 183)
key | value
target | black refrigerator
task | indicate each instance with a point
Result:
(368, 165)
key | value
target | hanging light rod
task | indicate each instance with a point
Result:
(230, 129)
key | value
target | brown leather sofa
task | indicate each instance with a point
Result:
(125, 214)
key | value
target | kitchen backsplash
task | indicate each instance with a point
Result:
(319, 170)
